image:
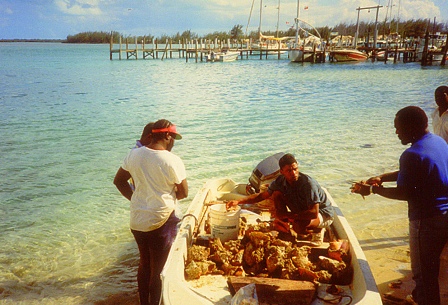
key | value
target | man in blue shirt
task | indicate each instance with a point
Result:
(299, 200)
(422, 180)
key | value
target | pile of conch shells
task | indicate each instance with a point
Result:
(261, 253)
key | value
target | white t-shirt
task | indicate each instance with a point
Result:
(440, 123)
(155, 173)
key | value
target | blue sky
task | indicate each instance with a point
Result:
(55, 19)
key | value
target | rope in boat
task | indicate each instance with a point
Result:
(338, 294)
(195, 220)
(336, 300)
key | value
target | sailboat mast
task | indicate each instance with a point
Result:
(390, 15)
(278, 16)
(250, 15)
(259, 25)
(297, 22)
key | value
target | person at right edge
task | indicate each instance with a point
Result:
(440, 126)
(440, 114)
(422, 180)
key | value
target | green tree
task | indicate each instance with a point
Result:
(407, 29)
(236, 32)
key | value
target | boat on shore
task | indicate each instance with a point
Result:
(223, 56)
(189, 279)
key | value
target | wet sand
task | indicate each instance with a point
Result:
(124, 298)
(393, 278)
(397, 295)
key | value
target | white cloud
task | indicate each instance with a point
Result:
(419, 9)
(79, 7)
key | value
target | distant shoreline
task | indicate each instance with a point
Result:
(33, 40)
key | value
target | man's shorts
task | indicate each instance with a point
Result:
(324, 221)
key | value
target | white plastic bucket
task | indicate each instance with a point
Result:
(224, 224)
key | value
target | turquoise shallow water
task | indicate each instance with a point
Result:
(70, 115)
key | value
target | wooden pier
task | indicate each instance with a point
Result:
(404, 54)
(428, 55)
(197, 49)
(409, 53)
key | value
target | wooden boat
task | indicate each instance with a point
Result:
(224, 56)
(215, 289)
(344, 55)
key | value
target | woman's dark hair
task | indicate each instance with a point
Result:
(160, 124)
(147, 130)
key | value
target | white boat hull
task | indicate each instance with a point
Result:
(297, 55)
(345, 55)
(176, 290)
(222, 56)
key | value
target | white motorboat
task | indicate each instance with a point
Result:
(344, 55)
(224, 56)
(217, 289)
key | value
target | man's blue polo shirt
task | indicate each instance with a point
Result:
(303, 194)
(424, 175)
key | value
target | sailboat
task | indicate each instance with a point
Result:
(303, 50)
(269, 43)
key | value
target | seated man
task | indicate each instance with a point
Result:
(299, 200)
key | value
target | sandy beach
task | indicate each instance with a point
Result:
(393, 278)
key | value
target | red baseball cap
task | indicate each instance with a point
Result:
(171, 129)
